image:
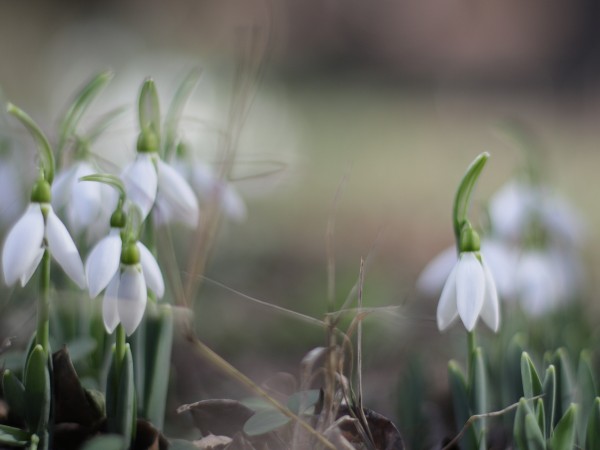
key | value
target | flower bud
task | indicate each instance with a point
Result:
(41, 192)
(130, 254)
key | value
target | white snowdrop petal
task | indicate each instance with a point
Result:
(86, 196)
(508, 209)
(502, 262)
(61, 187)
(31, 269)
(103, 262)
(22, 245)
(132, 297)
(233, 204)
(141, 182)
(432, 278)
(470, 289)
(177, 193)
(447, 311)
(536, 283)
(152, 273)
(63, 248)
(490, 312)
(202, 179)
(110, 315)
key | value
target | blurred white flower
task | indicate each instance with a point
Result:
(517, 206)
(207, 184)
(150, 182)
(501, 260)
(103, 263)
(12, 200)
(86, 204)
(141, 182)
(39, 227)
(469, 292)
(125, 299)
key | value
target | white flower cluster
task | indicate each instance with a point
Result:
(540, 275)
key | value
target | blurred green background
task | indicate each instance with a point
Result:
(386, 101)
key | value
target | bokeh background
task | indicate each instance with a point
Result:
(368, 112)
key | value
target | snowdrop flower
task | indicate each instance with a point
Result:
(37, 229)
(86, 204)
(518, 205)
(500, 258)
(207, 184)
(104, 260)
(150, 182)
(126, 295)
(470, 290)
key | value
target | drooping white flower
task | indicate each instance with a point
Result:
(207, 184)
(126, 294)
(500, 258)
(125, 299)
(141, 182)
(104, 260)
(175, 200)
(150, 182)
(39, 227)
(518, 205)
(86, 204)
(469, 292)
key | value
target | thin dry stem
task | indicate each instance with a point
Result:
(488, 415)
(219, 362)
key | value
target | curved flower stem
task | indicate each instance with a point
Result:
(43, 312)
(471, 345)
(120, 347)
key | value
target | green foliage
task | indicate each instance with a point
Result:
(159, 334)
(462, 200)
(13, 437)
(37, 391)
(267, 419)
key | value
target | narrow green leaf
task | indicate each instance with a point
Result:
(37, 391)
(173, 116)
(462, 199)
(112, 392)
(519, 429)
(158, 359)
(14, 394)
(264, 422)
(478, 394)
(564, 381)
(149, 107)
(137, 341)
(126, 413)
(550, 402)
(563, 437)
(14, 437)
(105, 442)
(592, 441)
(460, 402)
(103, 123)
(534, 438)
(47, 156)
(80, 104)
(541, 415)
(532, 386)
(586, 390)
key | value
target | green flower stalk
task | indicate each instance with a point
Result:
(38, 235)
